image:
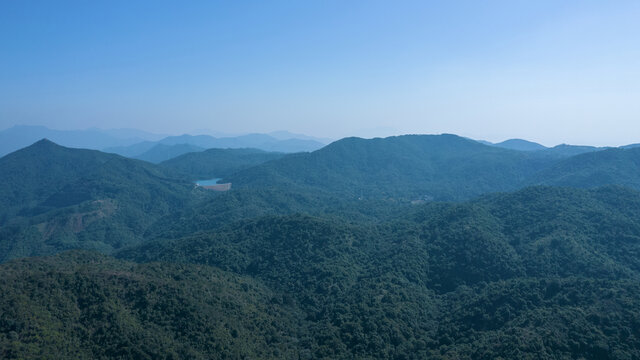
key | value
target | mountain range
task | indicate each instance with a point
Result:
(257, 141)
(437, 167)
(135, 143)
(407, 247)
(20, 136)
(56, 198)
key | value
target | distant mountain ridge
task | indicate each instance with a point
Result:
(21, 136)
(562, 150)
(256, 141)
(618, 166)
(439, 167)
(162, 152)
(286, 135)
(521, 145)
(565, 150)
(133, 143)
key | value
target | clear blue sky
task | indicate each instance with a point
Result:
(549, 71)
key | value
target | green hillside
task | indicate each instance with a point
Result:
(446, 280)
(539, 231)
(218, 163)
(287, 266)
(440, 167)
(55, 198)
(60, 198)
(81, 305)
(612, 166)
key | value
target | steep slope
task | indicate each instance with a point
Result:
(161, 152)
(441, 167)
(55, 198)
(218, 163)
(81, 305)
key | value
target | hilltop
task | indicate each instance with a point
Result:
(218, 163)
(438, 167)
(56, 198)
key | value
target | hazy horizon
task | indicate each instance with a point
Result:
(546, 72)
(280, 235)
(321, 139)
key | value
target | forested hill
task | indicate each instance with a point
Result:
(611, 166)
(55, 198)
(81, 305)
(537, 231)
(218, 163)
(447, 280)
(33, 174)
(440, 167)
(321, 255)
(162, 152)
(520, 144)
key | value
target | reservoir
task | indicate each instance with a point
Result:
(207, 182)
(212, 184)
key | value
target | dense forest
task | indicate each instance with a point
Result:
(218, 162)
(406, 247)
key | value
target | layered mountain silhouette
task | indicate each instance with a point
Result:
(162, 152)
(440, 167)
(257, 141)
(21, 136)
(135, 143)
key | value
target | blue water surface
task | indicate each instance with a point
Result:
(207, 182)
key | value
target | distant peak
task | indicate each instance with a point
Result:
(44, 144)
(520, 145)
(45, 141)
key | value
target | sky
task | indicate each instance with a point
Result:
(547, 71)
